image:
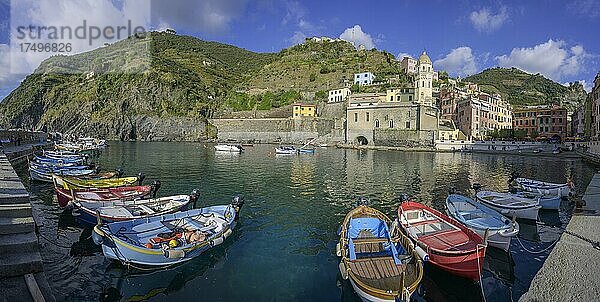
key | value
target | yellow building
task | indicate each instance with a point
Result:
(301, 110)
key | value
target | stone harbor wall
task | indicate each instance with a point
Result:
(272, 130)
(404, 138)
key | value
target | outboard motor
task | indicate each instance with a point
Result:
(120, 172)
(141, 176)
(155, 186)
(237, 202)
(362, 201)
(97, 170)
(404, 198)
(194, 197)
(477, 187)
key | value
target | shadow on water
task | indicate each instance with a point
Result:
(142, 284)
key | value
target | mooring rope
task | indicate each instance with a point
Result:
(536, 252)
(480, 272)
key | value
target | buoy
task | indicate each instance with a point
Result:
(422, 253)
(173, 243)
(343, 270)
(216, 241)
(227, 233)
(174, 254)
(338, 250)
(148, 245)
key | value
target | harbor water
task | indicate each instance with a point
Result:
(283, 248)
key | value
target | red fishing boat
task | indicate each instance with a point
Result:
(65, 196)
(449, 244)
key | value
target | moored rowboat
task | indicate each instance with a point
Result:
(546, 188)
(74, 183)
(509, 205)
(450, 245)
(111, 211)
(380, 262)
(167, 239)
(482, 220)
(65, 196)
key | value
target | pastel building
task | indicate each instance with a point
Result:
(304, 110)
(338, 95)
(545, 121)
(409, 65)
(364, 78)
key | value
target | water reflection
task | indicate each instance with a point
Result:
(285, 244)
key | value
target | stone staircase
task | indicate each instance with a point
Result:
(19, 248)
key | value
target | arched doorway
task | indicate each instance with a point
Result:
(361, 140)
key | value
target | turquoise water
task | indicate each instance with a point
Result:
(284, 246)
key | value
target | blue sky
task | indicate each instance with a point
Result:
(556, 38)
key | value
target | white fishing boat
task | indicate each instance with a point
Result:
(229, 148)
(546, 188)
(546, 202)
(483, 220)
(509, 205)
(286, 150)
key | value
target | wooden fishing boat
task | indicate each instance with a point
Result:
(381, 263)
(286, 150)
(65, 196)
(112, 211)
(546, 188)
(167, 239)
(306, 151)
(510, 205)
(75, 183)
(551, 202)
(229, 148)
(482, 219)
(450, 245)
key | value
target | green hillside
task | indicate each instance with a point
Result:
(520, 88)
(117, 92)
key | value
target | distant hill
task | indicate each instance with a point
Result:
(522, 89)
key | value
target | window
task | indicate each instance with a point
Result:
(391, 123)
(367, 116)
(407, 124)
(376, 123)
(391, 98)
(410, 98)
(355, 117)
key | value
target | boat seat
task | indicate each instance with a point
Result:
(470, 215)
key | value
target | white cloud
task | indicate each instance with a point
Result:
(357, 36)
(460, 61)
(298, 38)
(552, 59)
(485, 20)
(586, 8)
(401, 55)
(587, 86)
(206, 16)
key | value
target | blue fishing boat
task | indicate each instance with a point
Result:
(306, 151)
(482, 219)
(45, 175)
(53, 160)
(167, 239)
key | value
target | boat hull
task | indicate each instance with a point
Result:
(87, 217)
(545, 188)
(466, 266)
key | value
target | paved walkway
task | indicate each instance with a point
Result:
(21, 269)
(572, 271)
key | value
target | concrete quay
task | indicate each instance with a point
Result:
(571, 271)
(21, 269)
